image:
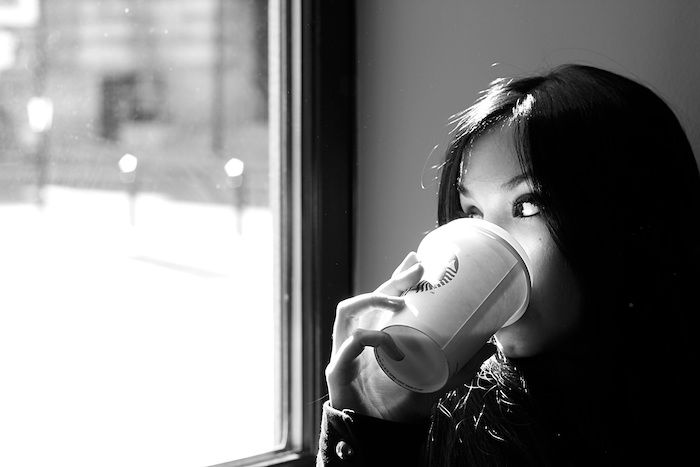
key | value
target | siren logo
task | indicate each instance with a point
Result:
(448, 271)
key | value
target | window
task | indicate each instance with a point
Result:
(168, 204)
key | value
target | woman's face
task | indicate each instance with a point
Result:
(493, 187)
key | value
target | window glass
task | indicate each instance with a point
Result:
(137, 268)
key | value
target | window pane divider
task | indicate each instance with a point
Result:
(312, 115)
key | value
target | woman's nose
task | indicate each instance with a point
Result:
(500, 220)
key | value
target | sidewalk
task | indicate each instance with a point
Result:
(154, 343)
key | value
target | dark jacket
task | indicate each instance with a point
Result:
(350, 439)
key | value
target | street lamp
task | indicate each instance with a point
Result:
(127, 173)
(40, 114)
(40, 118)
(234, 169)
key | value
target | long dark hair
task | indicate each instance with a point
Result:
(620, 194)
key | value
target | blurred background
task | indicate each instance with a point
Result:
(136, 313)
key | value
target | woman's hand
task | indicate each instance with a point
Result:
(355, 380)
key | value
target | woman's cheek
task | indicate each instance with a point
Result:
(531, 333)
(534, 242)
(554, 312)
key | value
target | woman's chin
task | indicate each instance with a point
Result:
(513, 342)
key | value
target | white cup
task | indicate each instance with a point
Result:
(476, 280)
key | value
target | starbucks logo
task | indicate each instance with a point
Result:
(436, 279)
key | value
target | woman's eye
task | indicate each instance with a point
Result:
(525, 207)
(472, 212)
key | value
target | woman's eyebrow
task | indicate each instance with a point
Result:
(514, 182)
(507, 186)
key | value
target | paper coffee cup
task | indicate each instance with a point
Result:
(476, 280)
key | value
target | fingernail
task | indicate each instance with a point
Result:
(396, 301)
(392, 350)
(396, 353)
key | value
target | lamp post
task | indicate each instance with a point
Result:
(127, 173)
(40, 118)
(234, 169)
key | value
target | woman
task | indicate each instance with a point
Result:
(594, 176)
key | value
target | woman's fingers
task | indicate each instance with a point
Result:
(348, 376)
(403, 281)
(349, 310)
(361, 338)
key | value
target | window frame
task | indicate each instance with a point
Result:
(316, 124)
(328, 145)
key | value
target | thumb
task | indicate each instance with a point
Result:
(403, 281)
